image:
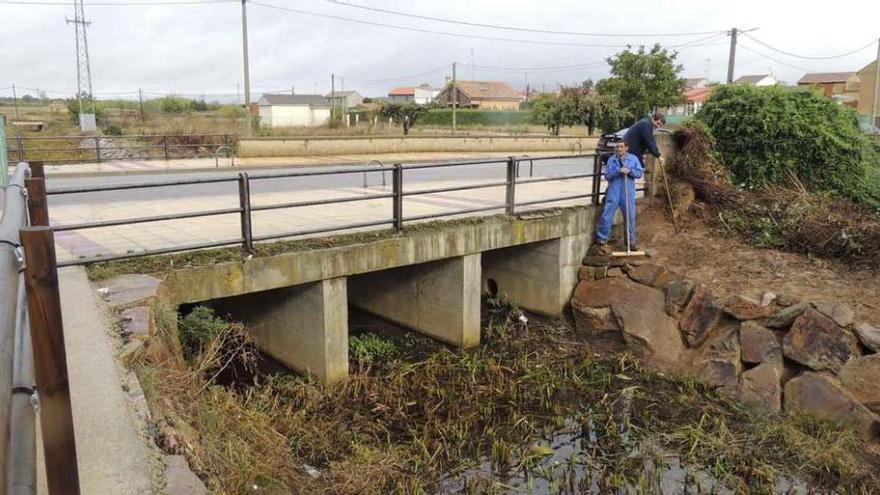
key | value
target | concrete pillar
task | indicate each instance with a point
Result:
(440, 298)
(305, 327)
(538, 277)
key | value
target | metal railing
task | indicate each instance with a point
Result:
(398, 194)
(17, 415)
(86, 149)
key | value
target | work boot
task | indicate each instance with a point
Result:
(600, 249)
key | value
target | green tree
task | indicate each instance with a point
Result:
(407, 113)
(99, 106)
(643, 80)
(764, 135)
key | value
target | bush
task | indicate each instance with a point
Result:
(198, 329)
(111, 130)
(100, 110)
(370, 347)
(232, 111)
(764, 135)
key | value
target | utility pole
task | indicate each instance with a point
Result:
(876, 87)
(454, 97)
(15, 101)
(292, 92)
(141, 102)
(247, 70)
(732, 58)
(332, 95)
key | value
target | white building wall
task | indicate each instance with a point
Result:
(423, 96)
(293, 116)
(320, 116)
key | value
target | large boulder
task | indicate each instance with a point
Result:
(861, 378)
(818, 343)
(701, 315)
(869, 335)
(761, 386)
(640, 312)
(656, 276)
(841, 313)
(717, 362)
(759, 344)
(744, 309)
(786, 316)
(822, 394)
(678, 294)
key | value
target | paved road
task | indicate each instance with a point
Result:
(111, 205)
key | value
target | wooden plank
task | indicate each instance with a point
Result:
(38, 208)
(50, 360)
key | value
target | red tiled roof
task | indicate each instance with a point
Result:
(825, 77)
(403, 91)
(698, 94)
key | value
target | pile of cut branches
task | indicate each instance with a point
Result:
(788, 218)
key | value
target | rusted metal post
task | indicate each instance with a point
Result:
(165, 146)
(97, 149)
(37, 170)
(510, 195)
(38, 210)
(397, 199)
(20, 148)
(50, 360)
(597, 178)
(244, 201)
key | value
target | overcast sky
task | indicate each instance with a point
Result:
(196, 49)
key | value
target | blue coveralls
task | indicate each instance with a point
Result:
(640, 139)
(614, 197)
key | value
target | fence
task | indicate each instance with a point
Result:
(398, 195)
(33, 368)
(87, 149)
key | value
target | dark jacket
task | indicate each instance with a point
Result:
(640, 138)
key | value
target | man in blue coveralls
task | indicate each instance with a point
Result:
(621, 171)
(640, 137)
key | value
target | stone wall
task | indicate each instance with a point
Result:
(322, 146)
(776, 354)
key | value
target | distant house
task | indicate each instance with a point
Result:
(841, 86)
(757, 80)
(493, 95)
(345, 99)
(293, 110)
(693, 101)
(867, 76)
(696, 83)
(420, 95)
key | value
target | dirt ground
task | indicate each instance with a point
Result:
(729, 266)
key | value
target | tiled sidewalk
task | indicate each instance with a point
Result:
(124, 239)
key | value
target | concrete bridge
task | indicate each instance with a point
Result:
(428, 279)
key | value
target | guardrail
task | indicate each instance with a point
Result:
(397, 195)
(33, 368)
(85, 149)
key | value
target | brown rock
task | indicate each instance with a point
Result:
(592, 272)
(759, 345)
(592, 321)
(179, 480)
(603, 261)
(702, 313)
(678, 293)
(818, 343)
(645, 273)
(717, 363)
(761, 386)
(640, 312)
(822, 394)
(745, 309)
(786, 316)
(841, 313)
(615, 272)
(861, 378)
(869, 335)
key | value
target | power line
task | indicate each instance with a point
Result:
(768, 57)
(514, 28)
(116, 4)
(431, 31)
(391, 79)
(825, 57)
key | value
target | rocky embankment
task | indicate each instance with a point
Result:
(775, 353)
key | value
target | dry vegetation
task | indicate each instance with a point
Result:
(413, 413)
